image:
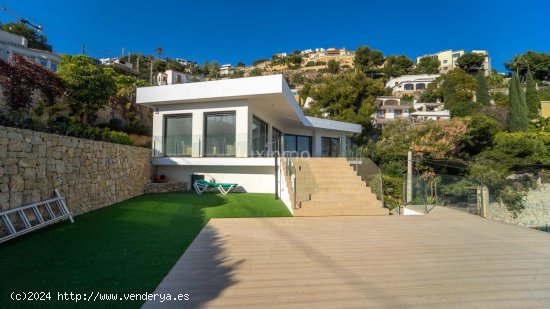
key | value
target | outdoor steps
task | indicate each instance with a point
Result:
(357, 183)
(325, 196)
(331, 187)
(348, 203)
(339, 211)
(330, 177)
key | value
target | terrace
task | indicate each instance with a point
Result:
(445, 259)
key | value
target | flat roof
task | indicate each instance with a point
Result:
(260, 89)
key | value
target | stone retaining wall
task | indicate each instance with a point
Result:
(166, 187)
(90, 174)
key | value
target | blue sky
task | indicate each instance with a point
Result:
(232, 31)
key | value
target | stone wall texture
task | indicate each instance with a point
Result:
(90, 174)
(166, 187)
(535, 214)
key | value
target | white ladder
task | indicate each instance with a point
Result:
(45, 213)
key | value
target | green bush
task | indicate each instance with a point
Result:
(137, 128)
(116, 123)
(463, 109)
(120, 138)
(65, 126)
(500, 98)
(513, 198)
(393, 187)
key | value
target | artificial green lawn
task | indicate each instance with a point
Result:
(124, 248)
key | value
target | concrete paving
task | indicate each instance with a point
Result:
(446, 259)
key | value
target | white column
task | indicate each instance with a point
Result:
(243, 125)
(269, 138)
(317, 143)
(158, 128)
(343, 143)
(197, 139)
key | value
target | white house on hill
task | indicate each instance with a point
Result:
(11, 44)
(391, 108)
(171, 77)
(410, 83)
(230, 130)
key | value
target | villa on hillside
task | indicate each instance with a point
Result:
(230, 130)
(447, 59)
(409, 84)
(170, 77)
(11, 44)
(391, 108)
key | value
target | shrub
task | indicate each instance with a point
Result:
(120, 138)
(513, 198)
(137, 128)
(463, 109)
(65, 126)
(116, 123)
(500, 98)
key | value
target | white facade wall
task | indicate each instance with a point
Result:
(171, 77)
(197, 110)
(447, 58)
(44, 58)
(398, 83)
(390, 114)
(15, 44)
(253, 179)
(11, 38)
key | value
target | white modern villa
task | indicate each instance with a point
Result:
(231, 130)
(410, 83)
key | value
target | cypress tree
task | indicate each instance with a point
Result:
(531, 98)
(517, 110)
(482, 89)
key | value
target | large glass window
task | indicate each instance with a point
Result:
(290, 144)
(276, 136)
(178, 135)
(219, 135)
(330, 147)
(259, 138)
(298, 145)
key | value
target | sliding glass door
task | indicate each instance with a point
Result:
(298, 145)
(330, 147)
(276, 142)
(219, 134)
(259, 138)
(177, 135)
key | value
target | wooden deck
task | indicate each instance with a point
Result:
(446, 259)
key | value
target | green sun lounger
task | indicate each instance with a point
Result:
(202, 186)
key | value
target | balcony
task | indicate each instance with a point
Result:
(220, 150)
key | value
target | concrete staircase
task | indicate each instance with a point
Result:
(330, 187)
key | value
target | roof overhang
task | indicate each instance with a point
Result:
(271, 92)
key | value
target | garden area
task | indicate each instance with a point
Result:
(127, 247)
(82, 99)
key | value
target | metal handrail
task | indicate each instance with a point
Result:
(294, 182)
(290, 171)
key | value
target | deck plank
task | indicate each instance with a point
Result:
(446, 259)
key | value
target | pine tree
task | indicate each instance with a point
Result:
(531, 98)
(482, 89)
(517, 110)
